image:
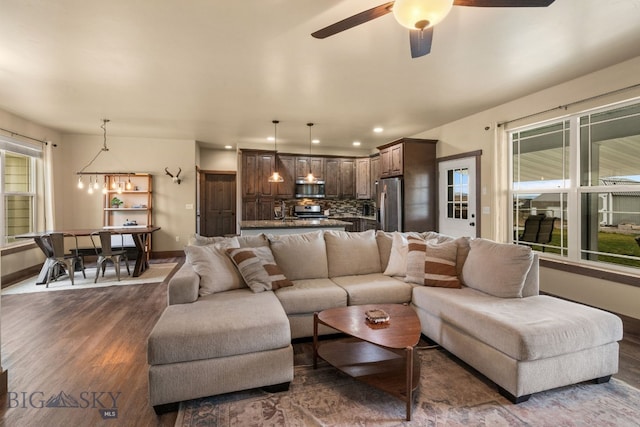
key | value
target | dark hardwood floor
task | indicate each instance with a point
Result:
(91, 345)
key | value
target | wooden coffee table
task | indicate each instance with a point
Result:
(378, 355)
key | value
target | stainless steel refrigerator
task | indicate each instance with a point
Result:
(390, 204)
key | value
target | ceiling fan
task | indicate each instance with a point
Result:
(419, 16)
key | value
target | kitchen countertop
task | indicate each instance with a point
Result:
(339, 216)
(294, 223)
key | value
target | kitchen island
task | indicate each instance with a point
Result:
(290, 226)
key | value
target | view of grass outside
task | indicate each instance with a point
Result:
(609, 243)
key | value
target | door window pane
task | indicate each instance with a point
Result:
(458, 193)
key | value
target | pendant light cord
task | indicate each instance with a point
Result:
(104, 145)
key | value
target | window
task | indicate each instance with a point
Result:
(582, 173)
(457, 193)
(18, 188)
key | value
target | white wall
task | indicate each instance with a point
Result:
(469, 134)
(217, 160)
(129, 154)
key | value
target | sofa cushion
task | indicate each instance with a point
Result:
(374, 289)
(529, 328)
(384, 239)
(253, 241)
(352, 252)
(498, 269)
(219, 325)
(198, 240)
(217, 272)
(300, 256)
(432, 264)
(310, 295)
(258, 268)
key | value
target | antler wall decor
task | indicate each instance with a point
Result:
(175, 178)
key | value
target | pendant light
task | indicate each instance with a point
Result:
(275, 176)
(310, 177)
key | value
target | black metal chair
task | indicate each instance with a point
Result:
(531, 228)
(59, 259)
(545, 233)
(106, 253)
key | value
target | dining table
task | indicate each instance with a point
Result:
(141, 236)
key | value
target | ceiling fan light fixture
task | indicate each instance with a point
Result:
(421, 14)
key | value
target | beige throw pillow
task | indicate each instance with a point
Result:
(432, 264)
(397, 265)
(258, 268)
(498, 269)
(217, 272)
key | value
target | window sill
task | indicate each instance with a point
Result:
(598, 273)
(17, 248)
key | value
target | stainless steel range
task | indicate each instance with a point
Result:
(309, 212)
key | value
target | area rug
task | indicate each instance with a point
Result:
(449, 395)
(156, 273)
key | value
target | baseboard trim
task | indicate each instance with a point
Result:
(16, 277)
(167, 254)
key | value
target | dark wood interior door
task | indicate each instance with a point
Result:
(218, 201)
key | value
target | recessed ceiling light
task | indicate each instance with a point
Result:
(378, 129)
(356, 143)
(271, 138)
(315, 141)
(228, 147)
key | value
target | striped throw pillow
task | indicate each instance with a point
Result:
(432, 264)
(258, 268)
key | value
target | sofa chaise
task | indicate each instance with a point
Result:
(236, 304)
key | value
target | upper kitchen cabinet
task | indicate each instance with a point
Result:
(340, 178)
(316, 165)
(256, 168)
(363, 178)
(286, 166)
(392, 160)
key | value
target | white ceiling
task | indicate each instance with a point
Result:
(220, 71)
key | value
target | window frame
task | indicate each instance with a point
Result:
(33, 154)
(574, 189)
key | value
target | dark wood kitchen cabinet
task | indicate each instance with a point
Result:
(363, 178)
(286, 166)
(392, 160)
(414, 160)
(340, 178)
(374, 175)
(257, 192)
(306, 163)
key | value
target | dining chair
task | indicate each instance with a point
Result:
(59, 259)
(106, 253)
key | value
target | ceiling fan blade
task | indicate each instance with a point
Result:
(503, 3)
(420, 41)
(354, 21)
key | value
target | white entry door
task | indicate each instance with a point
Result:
(457, 194)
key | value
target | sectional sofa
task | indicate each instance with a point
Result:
(236, 304)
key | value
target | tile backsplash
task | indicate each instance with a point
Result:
(336, 207)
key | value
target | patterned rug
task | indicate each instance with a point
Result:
(449, 395)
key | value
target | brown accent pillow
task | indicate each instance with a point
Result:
(432, 264)
(258, 268)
